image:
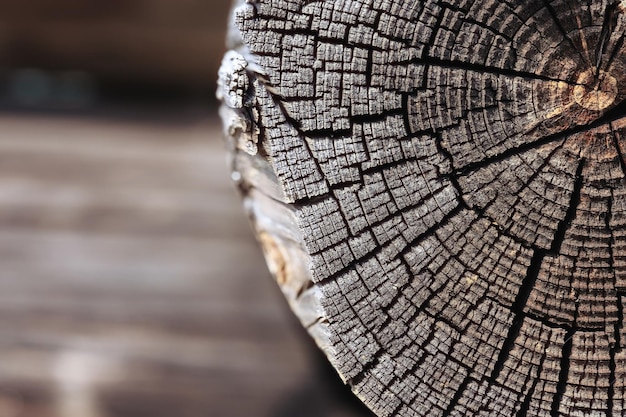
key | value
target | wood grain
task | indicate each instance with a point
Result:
(457, 183)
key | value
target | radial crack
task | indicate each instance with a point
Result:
(561, 29)
(566, 353)
(484, 69)
(618, 149)
(457, 397)
(523, 411)
(533, 273)
(608, 26)
(616, 345)
(518, 308)
(612, 115)
(559, 235)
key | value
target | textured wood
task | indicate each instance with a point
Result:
(452, 176)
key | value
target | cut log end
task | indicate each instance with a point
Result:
(440, 191)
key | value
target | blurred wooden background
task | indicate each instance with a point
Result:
(130, 283)
(157, 42)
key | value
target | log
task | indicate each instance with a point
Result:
(440, 190)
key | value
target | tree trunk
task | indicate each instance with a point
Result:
(439, 187)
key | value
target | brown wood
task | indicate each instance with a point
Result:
(445, 184)
(155, 41)
(131, 285)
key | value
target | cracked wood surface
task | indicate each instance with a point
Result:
(440, 190)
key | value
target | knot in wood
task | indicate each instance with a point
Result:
(595, 90)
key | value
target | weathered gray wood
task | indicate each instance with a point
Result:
(440, 189)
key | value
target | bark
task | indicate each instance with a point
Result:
(440, 190)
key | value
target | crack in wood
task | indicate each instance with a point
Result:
(559, 25)
(483, 253)
(615, 347)
(533, 273)
(616, 113)
(609, 23)
(561, 385)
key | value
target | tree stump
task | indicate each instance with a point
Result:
(440, 190)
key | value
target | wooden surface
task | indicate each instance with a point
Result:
(130, 281)
(452, 177)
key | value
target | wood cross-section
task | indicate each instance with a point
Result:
(453, 176)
